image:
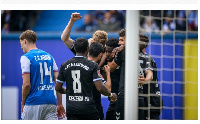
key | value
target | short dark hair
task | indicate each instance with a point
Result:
(29, 35)
(95, 49)
(122, 33)
(112, 42)
(81, 45)
(144, 38)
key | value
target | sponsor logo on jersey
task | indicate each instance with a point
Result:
(45, 87)
(79, 98)
(75, 98)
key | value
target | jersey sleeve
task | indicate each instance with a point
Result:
(25, 65)
(148, 65)
(55, 67)
(119, 58)
(96, 74)
(60, 77)
(72, 48)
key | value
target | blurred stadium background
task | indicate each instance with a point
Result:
(173, 45)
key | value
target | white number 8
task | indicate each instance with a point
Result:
(76, 78)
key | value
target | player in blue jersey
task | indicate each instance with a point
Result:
(39, 70)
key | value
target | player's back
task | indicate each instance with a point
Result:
(41, 76)
(80, 74)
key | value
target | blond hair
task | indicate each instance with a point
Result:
(100, 36)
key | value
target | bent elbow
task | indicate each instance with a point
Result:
(27, 85)
(57, 89)
(62, 38)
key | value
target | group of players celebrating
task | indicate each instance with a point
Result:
(98, 67)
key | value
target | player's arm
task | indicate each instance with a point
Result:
(112, 65)
(149, 76)
(60, 109)
(59, 87)
(66, 33)
(108, 79)
(103, 90)
(59, 81)
(103, 59)
(25, 88)
(118, 49)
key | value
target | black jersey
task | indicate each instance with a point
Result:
(79, 74)
(153, 89)
(115, 77)
(96, 93)
(144, 64)
(120, 60)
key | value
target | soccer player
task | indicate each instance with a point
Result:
(95, 54)
(39, 70)
(81, 74)
(145, 76)
(120, 61)
(111, 44)
(155, 98)
(144, 69)
(98, 36)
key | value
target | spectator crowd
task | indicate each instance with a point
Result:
(109, 20)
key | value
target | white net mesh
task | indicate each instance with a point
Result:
(173, 44)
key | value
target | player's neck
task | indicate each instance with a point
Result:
(81, 54)
(92, 59)
(31, 46)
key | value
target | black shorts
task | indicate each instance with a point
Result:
(92, 116)
(100, 111)
(119, 109)
(154, 114)
(141, 113)
(110, 114)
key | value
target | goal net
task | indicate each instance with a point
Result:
(173, 44)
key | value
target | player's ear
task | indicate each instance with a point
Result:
(100, 55)
(25, 41)
(87, 50)
(92, 41)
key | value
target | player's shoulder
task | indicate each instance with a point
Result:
(92, 63)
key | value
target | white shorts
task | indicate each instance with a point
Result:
(39, 112)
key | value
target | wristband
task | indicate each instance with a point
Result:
(111, 95)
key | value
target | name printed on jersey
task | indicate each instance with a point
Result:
(79, 98)
(42, 57)
(77, 64)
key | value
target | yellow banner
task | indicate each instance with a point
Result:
(191, 79)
